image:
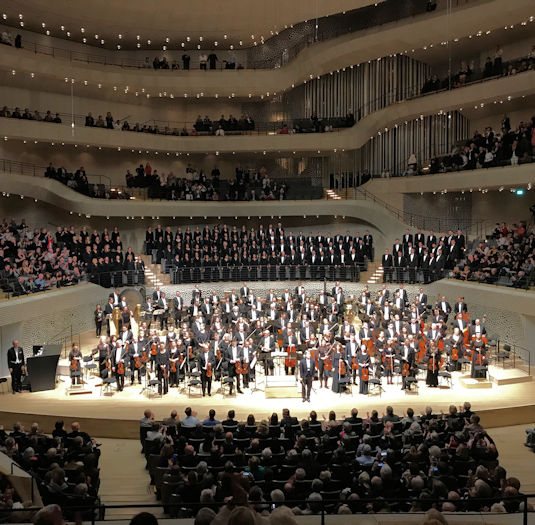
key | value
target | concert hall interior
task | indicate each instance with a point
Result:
(274, 261)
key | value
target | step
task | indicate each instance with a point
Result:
(508, 376)
(470, 382)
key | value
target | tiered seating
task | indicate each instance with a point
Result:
(337, 463)
(65, 465)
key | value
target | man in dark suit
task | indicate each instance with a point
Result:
(178, 304)
(407, 238)
(388, 266)
(16, 364)
(244, 290)
(118, 356)
(156, 294)
(163, 304)
(412, 264)
(206, 366)
(407, 358)
(399, 263)
(307, 370)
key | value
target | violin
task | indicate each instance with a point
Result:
(355, 364)
(343, 370)
(209, 371)
(238, 367)
(137, 362)
(120, 368)
(153, 349)
(365, 374)
(144, 356)
(245, 368)
(172, 366)
(75, 365)
(454, 353)
(405, 371)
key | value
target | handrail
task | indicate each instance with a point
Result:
(421, 221)
(323, 508)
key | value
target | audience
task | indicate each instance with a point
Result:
(65, 467)
(506, 257)
(349, 466)
(490, 149)
(32, 260)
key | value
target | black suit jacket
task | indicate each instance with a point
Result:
(12, 357)
(304, 374)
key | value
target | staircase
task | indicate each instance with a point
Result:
(153, 273)
(374, 274)
(124, 480)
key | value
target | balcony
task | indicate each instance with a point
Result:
(484, 92)
(318, 59)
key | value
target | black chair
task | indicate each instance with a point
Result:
(504, 354)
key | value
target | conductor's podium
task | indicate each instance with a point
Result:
(282, 386)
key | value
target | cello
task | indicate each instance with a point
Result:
(289, 362)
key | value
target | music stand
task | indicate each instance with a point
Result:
(42, 368)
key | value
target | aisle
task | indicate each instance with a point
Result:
(514, 456)
(123, 478)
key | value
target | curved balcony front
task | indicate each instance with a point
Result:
(347, 139)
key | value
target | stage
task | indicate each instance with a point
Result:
(116, 414)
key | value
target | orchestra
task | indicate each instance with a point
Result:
(335, 339)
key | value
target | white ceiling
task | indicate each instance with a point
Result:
(173, 19)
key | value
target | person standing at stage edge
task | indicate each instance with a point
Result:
(16, 363)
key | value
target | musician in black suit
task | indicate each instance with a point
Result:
(206, 366)
(16, 364)
(118, 363)
(135, 351)
(178, 304)
(407, 358)
(289, 341)
(162, 368)
(479, 358)
(108, 310)
(266, 345)
(307, 369)
(364, 362)
(163, 304)
(234, 354)
(75, 360)
(388, 266)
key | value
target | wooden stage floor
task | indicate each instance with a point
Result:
(117, 415)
